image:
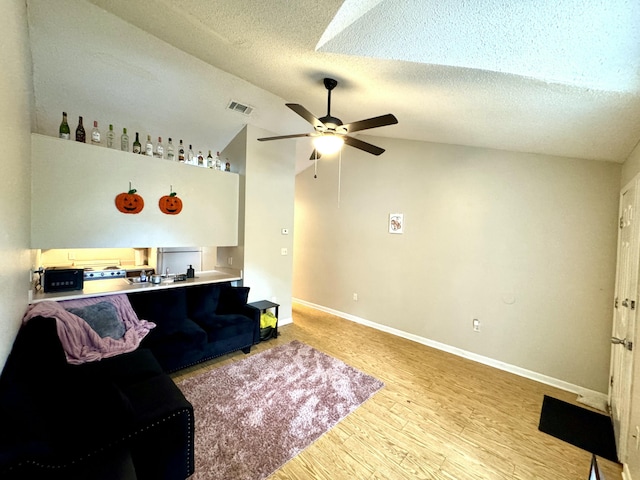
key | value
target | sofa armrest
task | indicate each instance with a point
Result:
(162, 442)
(254, 314)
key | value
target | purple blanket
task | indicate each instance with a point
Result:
(80, 342)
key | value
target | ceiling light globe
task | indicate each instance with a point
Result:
(328, 144)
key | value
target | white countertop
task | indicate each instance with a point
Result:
(114, 286)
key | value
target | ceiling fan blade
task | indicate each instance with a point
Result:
(298, 135)
(367, 147)
(315, 155)
(307, 115)
(375, 122)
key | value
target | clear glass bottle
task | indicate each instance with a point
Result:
(111, 137)
(170, 154)
(159, 151)
(137, 146)
(65, 131)
(148, 147)
(209, 163)
(124, 141)
(200, 159)
(81, 135)
(218, 165)
(181, 152)
(190, 156)
(96, 138)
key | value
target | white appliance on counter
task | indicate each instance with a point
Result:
(178, 259)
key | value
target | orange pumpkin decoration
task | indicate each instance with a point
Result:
(170, 204)
(129, 202)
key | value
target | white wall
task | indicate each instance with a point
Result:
(525, 243)
(269, 201)
(15, 189)
(267, 186)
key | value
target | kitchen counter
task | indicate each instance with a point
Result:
(115, 286)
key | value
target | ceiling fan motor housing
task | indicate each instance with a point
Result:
(330, 83)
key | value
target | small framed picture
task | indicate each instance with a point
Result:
(396, 223)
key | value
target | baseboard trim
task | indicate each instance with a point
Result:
(285, 321)
(522, 372)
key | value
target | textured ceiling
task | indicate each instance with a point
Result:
(559, 78)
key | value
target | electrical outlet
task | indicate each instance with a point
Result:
(355, 297)
(476, 325)
(72, 255)
(284, 251)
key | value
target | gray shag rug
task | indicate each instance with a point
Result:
(254, 415)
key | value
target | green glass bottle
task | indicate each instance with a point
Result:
(81, 135)
(137, 147)
(65, 131)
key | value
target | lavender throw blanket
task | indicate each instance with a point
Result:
(80, 342)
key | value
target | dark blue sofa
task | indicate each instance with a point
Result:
(123, 417)
(197, 323)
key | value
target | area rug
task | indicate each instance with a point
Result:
(254, 415)
(591, 431)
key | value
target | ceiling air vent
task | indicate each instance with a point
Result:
(240, 108)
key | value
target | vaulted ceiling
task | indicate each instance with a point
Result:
(559, 78)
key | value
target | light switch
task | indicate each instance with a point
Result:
(285, 231)
(284, 251)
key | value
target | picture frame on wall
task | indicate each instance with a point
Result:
(396, 223)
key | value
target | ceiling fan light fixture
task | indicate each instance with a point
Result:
(328, 144)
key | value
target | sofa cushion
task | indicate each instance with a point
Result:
(160, 306)
(202, 300)
(178, 335)
(220, 327)
(103, 318)
(232, 300)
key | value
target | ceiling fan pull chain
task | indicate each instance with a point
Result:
(315, 165)
(339, 176)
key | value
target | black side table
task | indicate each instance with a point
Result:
(263, 306)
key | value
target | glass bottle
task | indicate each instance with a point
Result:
(81, 135)
(65, 132)
(209, 160)
(124, 141)
(96, 138)
(170, 154)
(227, 167)
(181, 152)
(111, 137)
(200, 159)
(137, 147)
(218, 165)
(190, 157)
(159, 151)
(148, 148)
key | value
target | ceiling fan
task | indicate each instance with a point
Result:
(330, 133)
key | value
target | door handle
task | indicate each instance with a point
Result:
(625, 302)
(622, 341)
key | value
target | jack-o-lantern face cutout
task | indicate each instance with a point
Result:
(129, 202)
(170, 204)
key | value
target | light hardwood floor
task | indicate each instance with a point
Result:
(438, 417)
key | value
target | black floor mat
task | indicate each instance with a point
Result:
(586, 429)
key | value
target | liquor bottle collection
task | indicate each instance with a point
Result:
(151, 149)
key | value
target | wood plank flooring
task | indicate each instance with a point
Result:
(439, 417)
